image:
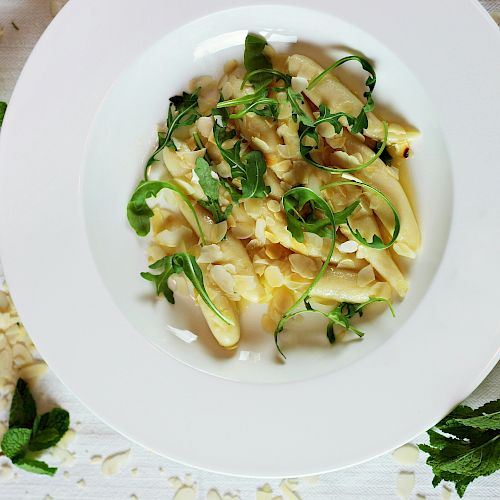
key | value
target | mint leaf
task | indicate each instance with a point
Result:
(254, 58)
(465, 445)
(210, 187)
(3, 109)
(50, 429)
(23, 407)
(487, 417)
(15, 442)
(139, 213)
(177, 263)
(34, 466)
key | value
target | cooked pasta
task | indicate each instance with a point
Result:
(277, 185)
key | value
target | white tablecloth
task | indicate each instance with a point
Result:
(145, 474)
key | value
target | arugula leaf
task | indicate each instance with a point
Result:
(294, 201)
(298, 221)
(359, 123)
(15, 442)
(310, 132)
(258, 102)
(250, 170)
(252, 184)
(182, 111)
(465, 445)
(345, 311)
(34, 466)
(210, 187)
(376, 241)
(177, 263)
(23, 407)
(270, 72)
(3, 109)
(298, 114)
(232, 155)
(254, 58)
(50, 428)
(138, 212)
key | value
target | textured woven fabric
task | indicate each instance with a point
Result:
(145, 474)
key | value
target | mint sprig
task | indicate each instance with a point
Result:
(465, 445)
(29, 433)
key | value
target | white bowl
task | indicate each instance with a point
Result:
(93, 104)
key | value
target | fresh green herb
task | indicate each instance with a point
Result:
(298, 114)
(250, 169)
(138, 212)
(210, 187)
(385, 156)
(376, 241)
(465, 445)
(271, 74)
(177, 263)
(182, 111)
(258, 103)
(14, 25)
(302, 215)
(29, 433)
(3, 109)
(327, 117)
(254, 58)
(360, 123)
(294, 202)
(345, 311)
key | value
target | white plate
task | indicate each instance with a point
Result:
(81, 122)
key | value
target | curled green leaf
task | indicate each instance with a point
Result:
(182, 111)
(139, 213)
(254, 57)
(181, 262)
(376, 241)
(210, 187)
(361, 121)
(310, 132)
(293, 202)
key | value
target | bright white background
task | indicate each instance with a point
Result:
(145, 474)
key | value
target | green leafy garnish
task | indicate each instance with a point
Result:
(138, 212)
(465, 445)
(302, 215)
(30, 433)
(250, 169)
(345, 311)
(327, 117)
(210, 187)
(15, 442)
(257, 102)
(23, 407)
(254, 58)
(271, 74)
(34, 466)
(3, 109)
(182, 111)
(376, 241)
(294, 202)
(181, 262)
(361, 121)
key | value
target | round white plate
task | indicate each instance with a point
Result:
(82, 120)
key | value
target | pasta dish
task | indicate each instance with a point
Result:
(277, 185)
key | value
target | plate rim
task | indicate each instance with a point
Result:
(68, 19)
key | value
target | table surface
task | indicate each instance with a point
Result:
(143, 474)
